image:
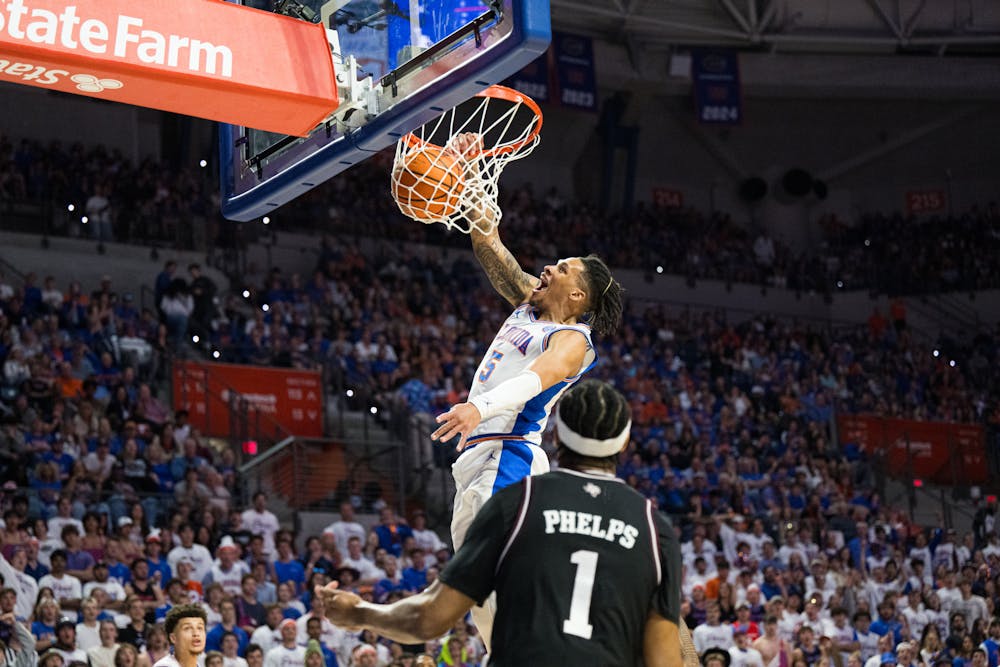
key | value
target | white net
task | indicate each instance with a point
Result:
(448, 170)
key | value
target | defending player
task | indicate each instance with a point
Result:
(585, 570)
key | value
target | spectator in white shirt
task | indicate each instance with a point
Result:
(230, 647)
(198, 555)
(115, 591)
(100, 462)
(288, 653)
(88, 630)
(268, 635)
(712, 633)
(65, 643)
(63, 517)
(425, 538)
(356, 560)
(24, 585)
(66, 588)
(260, 521)
(103, 655)
(346, 528)
(742, 654)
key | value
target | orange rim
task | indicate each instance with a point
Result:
(500, 93)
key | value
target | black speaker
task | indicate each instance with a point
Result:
(797, 182)
(753, 189)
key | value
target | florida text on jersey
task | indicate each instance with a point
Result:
(521, 340)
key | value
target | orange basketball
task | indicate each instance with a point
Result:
(427, 186)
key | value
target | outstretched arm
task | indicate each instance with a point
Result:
(563, 358)
(505, 274)
(412, 620)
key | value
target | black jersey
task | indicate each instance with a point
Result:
(578, 560)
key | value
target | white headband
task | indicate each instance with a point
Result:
(591, 446)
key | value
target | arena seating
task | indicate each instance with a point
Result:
(731, 434)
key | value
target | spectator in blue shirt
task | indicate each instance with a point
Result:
(213, 640)
(287, 567)
(188, 459)
(887, 622)
(392, 582)
(415, 576)
(391, 532)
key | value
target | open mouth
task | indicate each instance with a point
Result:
(543, 284)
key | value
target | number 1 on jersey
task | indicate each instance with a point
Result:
(490, 365)
(578, 622)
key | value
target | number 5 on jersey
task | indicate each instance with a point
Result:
(490, 366)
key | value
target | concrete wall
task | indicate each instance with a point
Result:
(130, 267)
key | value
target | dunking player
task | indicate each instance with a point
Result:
(542, 348)
(585, 570)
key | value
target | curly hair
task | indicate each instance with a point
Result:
(604, 312)
(592, 409)
(183, 611)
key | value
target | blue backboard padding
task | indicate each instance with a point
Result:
(531, 35)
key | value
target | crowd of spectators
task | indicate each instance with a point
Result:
(120, 199)
(894, 254)
(114, 508)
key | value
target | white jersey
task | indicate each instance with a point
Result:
(66, 587)
(114, 590)
(266, 638)
(521, 340)
(343, 531)
(170, 661)
(280, 656)
(231, 581)
(840, 635)
(200, 557)
(264, 524)
(745, 657)
(707, 636)
(869, 644)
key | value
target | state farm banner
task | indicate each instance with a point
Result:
(937, 452)
(289, 402)
(201, 58)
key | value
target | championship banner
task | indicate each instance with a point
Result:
(533, 79)
(575, 74)
(938, 452)
(717, 94)
(201, 58)
(286, 402)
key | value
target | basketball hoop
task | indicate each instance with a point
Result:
(433, 182)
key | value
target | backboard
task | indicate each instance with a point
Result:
(399, 64)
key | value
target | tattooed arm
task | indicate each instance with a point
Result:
(501, 268)
(506, 276)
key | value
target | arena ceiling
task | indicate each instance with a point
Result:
(899, 49)
(872, 27)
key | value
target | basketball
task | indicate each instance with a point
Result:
(428, 184)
